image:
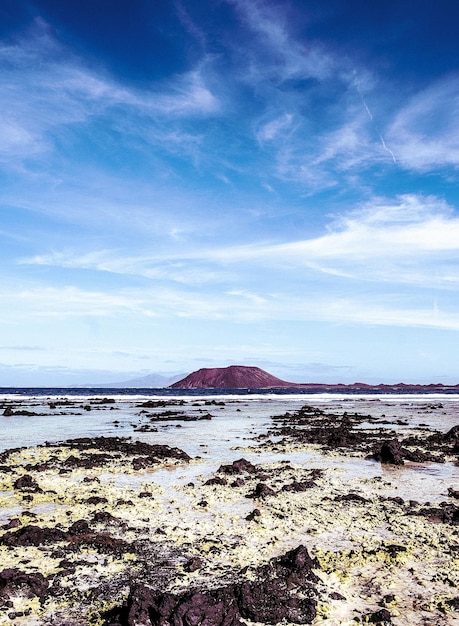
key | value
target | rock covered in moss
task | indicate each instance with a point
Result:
(14, 581)
(281, 590)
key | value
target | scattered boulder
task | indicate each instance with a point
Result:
(299, 486)
(351, 497)
(262, 491)
(445, 514)
(253, 515)
(216, 481)
(14, 582)
(80, 527)
(33, 536)
(26, 483)
(96, 500)
(193, 564)
(103, 517)
(378, 617)
(238, 467)
(452, 437)
(391, 452)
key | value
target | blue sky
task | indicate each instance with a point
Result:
(196, 184)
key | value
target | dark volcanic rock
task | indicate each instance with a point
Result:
(238, 467)
(99, 451)
(299, 486)
(79, 527)
(262, 490)
(192, 565)
(78, 535)
(102, 542)
(33, 536)
(216, 481)
(8, 412)
(96, 500)
(269, 602)
(26, 483)
(351, 497)
(127, 447)
(282, 590)
(15, 582)
(378, 617)
(352, 433)
(446, 514)
(452, 437)
(212, 608)
(391, 452)
(253, 515)
(418, 456)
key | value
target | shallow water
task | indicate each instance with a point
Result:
(235, 425)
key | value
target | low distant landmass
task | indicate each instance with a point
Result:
(245, 377)
(151, 381)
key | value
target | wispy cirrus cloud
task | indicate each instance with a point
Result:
(412, 240)
(275, 128)
(308, 143)
(415, 239)
(23, 348)
(45, 88)
(424, 134)
(74, 302)
(159, 267)
(285, 58)
(233, 305)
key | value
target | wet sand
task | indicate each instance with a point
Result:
(86, 523)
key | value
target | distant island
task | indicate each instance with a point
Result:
(232, 377)
(245, 377)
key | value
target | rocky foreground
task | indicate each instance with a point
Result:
(93, 539)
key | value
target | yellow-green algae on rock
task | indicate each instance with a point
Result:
(372, 552)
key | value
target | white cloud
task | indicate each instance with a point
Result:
(284, 58)
(350, 146)
(72, 302)
(45, 89)
(415, 239)
(271, 130)
(160, 267)
(412, 241)
(18, 140)
(425, 133)
(237, 305)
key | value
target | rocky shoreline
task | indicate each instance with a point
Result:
(91, 538)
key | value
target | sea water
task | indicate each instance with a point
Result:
(236, 422)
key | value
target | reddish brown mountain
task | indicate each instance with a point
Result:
(243, 377)
(232, 377)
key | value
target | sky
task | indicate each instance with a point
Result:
(193, 184)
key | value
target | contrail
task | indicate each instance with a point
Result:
(366, 108)
(386, 148)
(383, 143)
